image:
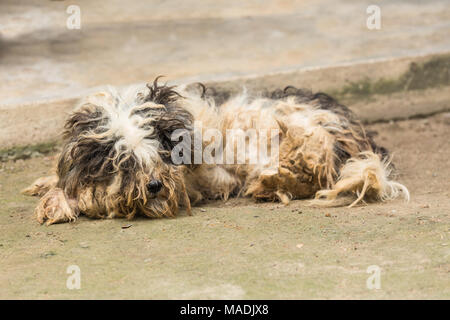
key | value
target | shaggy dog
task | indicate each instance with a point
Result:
(118, 156)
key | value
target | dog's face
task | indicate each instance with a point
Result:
(117, 158)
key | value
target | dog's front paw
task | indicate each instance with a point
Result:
(54, 207)
(41, 186)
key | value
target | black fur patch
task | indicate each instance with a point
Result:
(84, 121)
(326, 102)
(84, 162)
(161, 94)
(168, 119)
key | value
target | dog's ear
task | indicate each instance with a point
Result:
(88, 116)
(174, 119)
(171, 118)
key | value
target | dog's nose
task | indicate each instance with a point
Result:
(154, 186)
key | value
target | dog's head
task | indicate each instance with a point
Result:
(117, 156)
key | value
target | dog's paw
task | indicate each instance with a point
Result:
(41, 186)
(54, 207)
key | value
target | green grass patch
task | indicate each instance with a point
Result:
(430, 74)
(26, 152)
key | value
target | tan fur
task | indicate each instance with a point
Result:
(41, 186)
(306, 155)
(117, 144)
(55, 207)
(367, 178)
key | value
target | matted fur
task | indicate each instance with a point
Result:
(118, 143)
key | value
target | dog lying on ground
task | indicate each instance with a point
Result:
(120, 158)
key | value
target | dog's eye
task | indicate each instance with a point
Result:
(154, 186)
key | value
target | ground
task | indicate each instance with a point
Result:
(243, 250)
(236, 249)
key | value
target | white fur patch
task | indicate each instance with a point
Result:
(126, 126)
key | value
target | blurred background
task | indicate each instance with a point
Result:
(188, 40)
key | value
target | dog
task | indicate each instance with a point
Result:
(120, 158)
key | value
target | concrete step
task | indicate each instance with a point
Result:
(320, 44)
(356, 85)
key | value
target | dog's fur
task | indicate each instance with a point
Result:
(117, 144)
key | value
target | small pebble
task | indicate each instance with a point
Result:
(84, 245)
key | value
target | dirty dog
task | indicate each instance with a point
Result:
(118, 154)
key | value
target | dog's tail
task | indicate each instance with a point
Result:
(365, 177)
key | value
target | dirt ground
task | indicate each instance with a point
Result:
(238, 249)
(243, 250)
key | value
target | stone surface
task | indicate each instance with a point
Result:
(240, 249)
(119, 44)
